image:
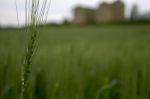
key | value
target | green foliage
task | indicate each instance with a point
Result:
(77, 62)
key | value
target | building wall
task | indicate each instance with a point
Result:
(80, 15)
(105, 12)
(118, 11)
(84, 15)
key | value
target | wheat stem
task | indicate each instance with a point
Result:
(34, 15)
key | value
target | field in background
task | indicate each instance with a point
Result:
(79, 62)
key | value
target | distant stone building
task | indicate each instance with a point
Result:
(105, 12)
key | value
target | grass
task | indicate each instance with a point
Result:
(80, 62)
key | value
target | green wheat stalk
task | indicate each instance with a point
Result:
(36, 12)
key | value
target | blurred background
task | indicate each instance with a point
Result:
(61, 10)
(88, 49)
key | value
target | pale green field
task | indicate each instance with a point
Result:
(79, 62)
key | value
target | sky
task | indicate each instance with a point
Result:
(60, 9)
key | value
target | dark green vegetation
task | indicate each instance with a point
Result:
(79, 62)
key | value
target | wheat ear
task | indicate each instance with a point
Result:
(36, 12)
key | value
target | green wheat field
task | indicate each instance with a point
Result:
(79, 62)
